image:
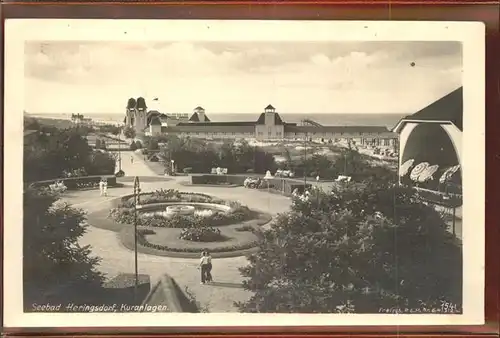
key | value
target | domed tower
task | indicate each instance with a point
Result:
(141, 110)
(130, 112)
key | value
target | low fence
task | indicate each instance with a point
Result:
(75, 183)
(283, 185)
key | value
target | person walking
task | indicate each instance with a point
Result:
(203, 267)
(105, 187)
(101, 186)
(132, 159)
(209, 278)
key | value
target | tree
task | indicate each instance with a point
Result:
(52, 152)
(129, 132)
(357, 249)
(133, 146)
(53, 260)
(110, 128)
(153, 144)
(101, 163)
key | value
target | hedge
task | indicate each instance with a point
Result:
(217, 179)
(141, 239)
(74, 183)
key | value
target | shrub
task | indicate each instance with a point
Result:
(217, 179)
(202, 234)
(367, 246)
(145, 232)
(74, 183)
(138, 144)
(120, 173)
(101, 163)
(187, 170)
(246, 228)
(133, 146)
(141, 239)
(129, 132)
(122, 215)
(52, 256)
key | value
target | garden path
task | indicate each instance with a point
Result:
(117, 259)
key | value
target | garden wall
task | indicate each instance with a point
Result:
(74, 183)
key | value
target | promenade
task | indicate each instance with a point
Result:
(116, 259)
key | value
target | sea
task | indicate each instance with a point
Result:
(334, 119)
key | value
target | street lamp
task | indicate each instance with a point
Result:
(119, 151)
(172, 169)
(305, 164)
(137, 192)
(268, 177)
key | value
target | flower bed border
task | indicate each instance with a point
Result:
(160, 250)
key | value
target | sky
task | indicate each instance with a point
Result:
(240, 77)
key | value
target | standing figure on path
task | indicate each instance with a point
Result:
(209, 278)
(132, 159)
(101, 186)
(204, 267)
(105, 187)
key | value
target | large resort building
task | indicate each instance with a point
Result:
(269, 126)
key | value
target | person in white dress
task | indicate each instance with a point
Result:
(101, 187)
(105, 187)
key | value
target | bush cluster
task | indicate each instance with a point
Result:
(202, 234)
(126, 216)
(142, 233)
(125, 213)
(74, 183)
(248, 228)
(170, 195)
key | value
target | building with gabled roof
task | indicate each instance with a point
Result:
(268, 126)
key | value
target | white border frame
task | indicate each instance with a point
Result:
(471, 34)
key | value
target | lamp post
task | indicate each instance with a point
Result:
(137, 191)
(305, 164)
(172, 169)
(267, 178)
(119, 151)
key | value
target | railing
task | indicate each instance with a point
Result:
(80, 182)
(444, 199)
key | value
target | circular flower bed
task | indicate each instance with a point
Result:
(215, 225)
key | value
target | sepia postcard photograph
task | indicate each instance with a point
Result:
(243, 173)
